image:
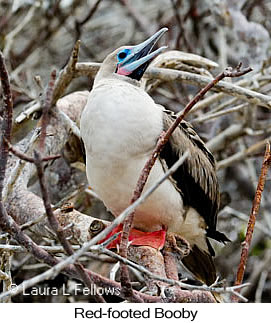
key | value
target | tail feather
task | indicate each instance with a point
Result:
(219, 236)
(201, 265)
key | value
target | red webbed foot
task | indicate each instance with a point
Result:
(155, 239)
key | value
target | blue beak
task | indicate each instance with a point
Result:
(139, 57)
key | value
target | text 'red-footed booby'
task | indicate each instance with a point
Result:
(120, 126)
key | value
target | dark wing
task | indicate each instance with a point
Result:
(196, 178)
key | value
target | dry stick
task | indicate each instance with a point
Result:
(10, 37)
(46, 109)
(260, 287)
(6, 122)
(125, 280)
(243, 217)
(7, 281)
(241, 155)
(27, 158)
(6, 128)
(18, 167)
(79, 24)
(252, 219)
(210, 116)
(66, 75)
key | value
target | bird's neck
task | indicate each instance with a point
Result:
(100, 78)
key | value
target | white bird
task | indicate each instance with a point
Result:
(120, 126)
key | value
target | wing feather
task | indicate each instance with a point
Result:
(196, 178)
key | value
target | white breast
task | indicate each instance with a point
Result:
(119, 131)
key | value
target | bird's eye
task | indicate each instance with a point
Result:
(123, 54)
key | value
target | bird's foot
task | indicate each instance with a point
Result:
(177, 245)
(155, 239)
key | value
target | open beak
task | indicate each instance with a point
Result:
(140, 56)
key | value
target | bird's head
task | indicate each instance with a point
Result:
(132, 61)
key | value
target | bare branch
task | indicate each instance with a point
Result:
(6, 121)
(11, 36)
(66, 75)
(27, 158)
(211, 116)
(248, 152)
(46, 108)
(244, 217)
(14, 175)
(253, 215)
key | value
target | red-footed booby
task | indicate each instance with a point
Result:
(120, 126)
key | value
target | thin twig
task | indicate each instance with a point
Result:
(52, 249)
(6, 266)
(226, 136)
(211, 116)
(9, 38)
(244, 217)
(46, 108)
(80, 24)
(6, 122)
(66, 75)
(3, 275)
(241, 155)
(28, 112)
(260, 287)
(6, 128)
(70, 123)
(19, 166)
(27, 158)
(253, 215)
